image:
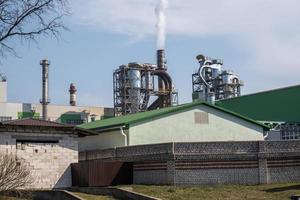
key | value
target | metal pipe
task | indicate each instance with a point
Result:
(125, 136)
(72, 91)
(45, 87)
(161, 65)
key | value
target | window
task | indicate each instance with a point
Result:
(2, 119)
(201, 118)
(290, 131)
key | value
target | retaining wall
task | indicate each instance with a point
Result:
(251, 162)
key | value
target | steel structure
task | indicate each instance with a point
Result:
(135, 83)
(212, 83)
(45, 87)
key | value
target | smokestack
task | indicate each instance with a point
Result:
(161, 65)
(72, 91)
(3, 88)
(45, 87)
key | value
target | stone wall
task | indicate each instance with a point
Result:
(48, 156)
(254, 162)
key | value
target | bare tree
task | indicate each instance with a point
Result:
(25, 20)
(14, 175)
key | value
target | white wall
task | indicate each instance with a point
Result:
(103, 141)
(181, 127)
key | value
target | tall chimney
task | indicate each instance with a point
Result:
(72, 91)
(45, 87)
(161, 65)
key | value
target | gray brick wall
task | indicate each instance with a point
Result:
(154, 177)
(217, 176)
(212, 162)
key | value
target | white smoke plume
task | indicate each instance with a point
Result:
(160, 12)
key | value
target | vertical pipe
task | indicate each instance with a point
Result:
(161, 65)
(72, 91)
(45, 88)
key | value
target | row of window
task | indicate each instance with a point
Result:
(290, 131)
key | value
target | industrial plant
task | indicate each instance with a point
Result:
(135, 83)
(212, 83)
(67, 114)
(220, 137)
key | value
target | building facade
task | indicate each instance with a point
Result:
(204, 163)
(46, 148)
(67, 114)
(278, 108)
(194, 122)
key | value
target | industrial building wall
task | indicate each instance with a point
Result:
(49, 163)
(196, 125)
(206, 163)
(55, 112)
(10, 111)
(103, 140)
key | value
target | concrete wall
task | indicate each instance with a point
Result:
(103, 140)
(49, 162)
(205, 163)
(181, 127)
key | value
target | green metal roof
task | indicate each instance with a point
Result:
(275, 105)
(150, 115)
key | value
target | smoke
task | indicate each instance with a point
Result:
(160, 12)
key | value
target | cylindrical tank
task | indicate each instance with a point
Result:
(211, 98)
(72, 91)
(134, 77)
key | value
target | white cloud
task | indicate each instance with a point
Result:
(267, 28)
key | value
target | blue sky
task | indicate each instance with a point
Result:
(259, 40)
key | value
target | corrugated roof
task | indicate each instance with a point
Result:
(29, 122)
(150, 115)
(281, 105)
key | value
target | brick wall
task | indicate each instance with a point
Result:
(209, 162)
(49, 162)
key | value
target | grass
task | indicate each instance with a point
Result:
(222, 192)
(92, 197)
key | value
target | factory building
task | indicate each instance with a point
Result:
(193, 122)
(278, 108)
(68, 114)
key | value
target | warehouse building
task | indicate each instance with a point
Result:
(193, 122)
(279, 108)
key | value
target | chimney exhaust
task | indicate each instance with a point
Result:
(72, 91)
(161, 65)
(45, 87)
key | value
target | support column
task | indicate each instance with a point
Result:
(262, 163)
(171, 172)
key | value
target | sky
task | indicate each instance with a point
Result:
(258, 39)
